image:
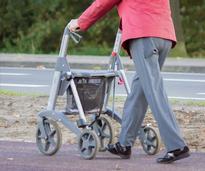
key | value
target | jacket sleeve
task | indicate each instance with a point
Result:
(94, 12)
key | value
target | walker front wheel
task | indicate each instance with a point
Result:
(51, 142)
(88, 144)
(105, 131)
(150, 140)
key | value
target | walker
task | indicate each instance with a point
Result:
(87, 93)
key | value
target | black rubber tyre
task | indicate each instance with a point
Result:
(52, 143)
(150, 141)
(88, 144)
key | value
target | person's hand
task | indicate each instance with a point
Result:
(73, 25)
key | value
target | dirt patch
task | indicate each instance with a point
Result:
(18, 118)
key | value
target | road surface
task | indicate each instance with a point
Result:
(178, 85)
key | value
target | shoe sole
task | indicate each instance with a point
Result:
(121, 156)
(183, 156)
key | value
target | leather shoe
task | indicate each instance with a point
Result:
(117, 149)
(174, 155)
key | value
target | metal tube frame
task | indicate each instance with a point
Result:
(57, 76)
(62, 67)
(115, 64)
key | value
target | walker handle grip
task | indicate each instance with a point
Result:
(64, 42)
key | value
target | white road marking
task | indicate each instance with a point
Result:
(22, 85)
(166, 79)
(186, 98)
(183, 73)
(170, 97)
(14, 71)
(175, 73)
(13, 74)
(184, 80)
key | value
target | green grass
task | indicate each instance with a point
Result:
(172, 101)
(117, 98)
(13, 93)
(179, 51)
(188, 102)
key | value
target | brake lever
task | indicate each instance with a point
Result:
(75, 37)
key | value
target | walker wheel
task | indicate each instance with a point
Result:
(105, 131)
(88, 144)
(50, 144)
(150, 141)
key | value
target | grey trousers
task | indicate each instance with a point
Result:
(147, 89)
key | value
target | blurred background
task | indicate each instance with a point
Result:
(36, 26)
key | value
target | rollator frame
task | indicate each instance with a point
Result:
(63, 72)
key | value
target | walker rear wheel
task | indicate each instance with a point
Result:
(88, 144)
(150, 141)
(51, 143)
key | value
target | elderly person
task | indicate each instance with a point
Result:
(147, 35)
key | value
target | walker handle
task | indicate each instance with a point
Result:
(64, 42)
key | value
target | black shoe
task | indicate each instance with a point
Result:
(174, 155)
(117, 149)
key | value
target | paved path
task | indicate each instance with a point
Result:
(21, 156)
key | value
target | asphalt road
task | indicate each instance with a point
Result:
(21, 156)
(178, 85)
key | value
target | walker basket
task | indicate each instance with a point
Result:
(93, 90)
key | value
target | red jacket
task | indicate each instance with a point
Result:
(139, 18)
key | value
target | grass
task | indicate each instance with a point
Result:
(117, 98)
(198, 103)
(179, 51)
(18, 94)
